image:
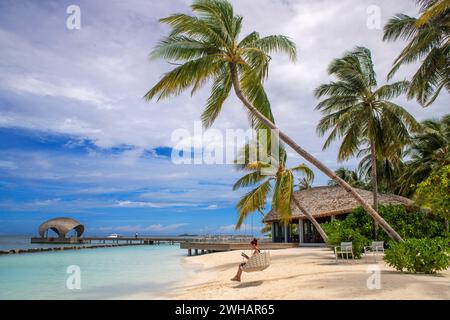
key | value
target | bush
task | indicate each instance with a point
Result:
(414, 224)
(338, 232)
(419, 255)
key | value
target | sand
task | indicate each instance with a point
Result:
(305, 273)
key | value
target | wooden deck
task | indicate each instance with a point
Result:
(201, 247)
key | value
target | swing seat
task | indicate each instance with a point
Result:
(257, 262)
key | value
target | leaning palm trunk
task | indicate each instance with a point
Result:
(310, 158)
(374, 185)
(311, 218)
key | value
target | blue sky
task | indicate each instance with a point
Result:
(77, 139)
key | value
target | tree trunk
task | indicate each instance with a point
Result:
(310, 158)
(374, 185)
(312, 219)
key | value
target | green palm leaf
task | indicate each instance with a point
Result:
(252, 201)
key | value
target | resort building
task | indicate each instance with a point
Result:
(324, 204)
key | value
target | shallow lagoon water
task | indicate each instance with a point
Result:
(105, 273)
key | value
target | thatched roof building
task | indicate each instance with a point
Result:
(333, 200)
(61, 226)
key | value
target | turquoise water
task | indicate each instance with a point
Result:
(105, 273)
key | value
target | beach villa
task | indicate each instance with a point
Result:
(325, 203)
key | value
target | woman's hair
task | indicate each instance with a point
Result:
(254, 242)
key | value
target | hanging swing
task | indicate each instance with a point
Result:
(259, 261)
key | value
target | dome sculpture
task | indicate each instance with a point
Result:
(61, 226)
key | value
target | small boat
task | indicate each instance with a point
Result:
(114, 235)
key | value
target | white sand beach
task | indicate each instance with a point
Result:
(305, 273)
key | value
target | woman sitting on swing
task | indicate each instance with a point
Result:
(254, 244)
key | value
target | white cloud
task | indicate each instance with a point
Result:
(140, 204)
(30, 84)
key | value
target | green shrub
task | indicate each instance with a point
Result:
(419, 255)
(414, 224)
(338, 232)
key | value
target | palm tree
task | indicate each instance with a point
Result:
(352, 177)
(389, 163)
(428, 42)
(359, 112)
(282, 191)
(429, 151)
(209, 48)
(305, 182)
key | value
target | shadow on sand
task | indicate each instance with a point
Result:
(249, 284)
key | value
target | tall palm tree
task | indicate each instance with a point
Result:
(361, 114)
(428, 42)
(429, 151)
(280, 184)
(208, 47)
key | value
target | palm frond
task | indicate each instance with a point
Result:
(252, 201)
(282, 195)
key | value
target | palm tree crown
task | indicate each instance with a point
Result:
(356, 110)
(206, 44)
(280, 184)
(428, 42)
(429, 151)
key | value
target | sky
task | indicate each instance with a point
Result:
(77, 139)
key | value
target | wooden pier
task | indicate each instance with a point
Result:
(200, 247)
(106, 240)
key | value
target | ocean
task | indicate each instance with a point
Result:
(103, 273)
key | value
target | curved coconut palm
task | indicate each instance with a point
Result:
(208, 48)
(280, 184)
(428, 42)
(429, 151)
(361, 114)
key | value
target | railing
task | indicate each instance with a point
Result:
(226, 238)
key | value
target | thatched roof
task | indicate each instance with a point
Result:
(333, 200)
(61, 226)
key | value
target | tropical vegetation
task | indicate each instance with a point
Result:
(428, 152)
(419, 255)
(434, 194)
(358, 227)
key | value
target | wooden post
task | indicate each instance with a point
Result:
(300, 231)
(285, 233)
(189, 252)
(272, 228)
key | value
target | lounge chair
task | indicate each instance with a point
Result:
(257, 262)
(346, 248)
(377, 247)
